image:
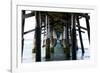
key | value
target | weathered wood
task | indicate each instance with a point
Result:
(42, 26)
(80, 36)
(23, 24)
(32, 31)
(70, 37)
(67, 33)
(47, 39)
(43, 33)
(73, 37)
(51, 40)
(80, 31)
(29, 15)
(81, 27)
(47, 49)
(29, 31)
(88, 27)
(65, 41)
(38, 36)
(83, 15)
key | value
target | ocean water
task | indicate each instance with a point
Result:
(58, 52)
(29, 57)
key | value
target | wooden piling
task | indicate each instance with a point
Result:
(48, 38)
(88, 27)
(23, 24)
(38, 36)
(80, 35)
(73, 37)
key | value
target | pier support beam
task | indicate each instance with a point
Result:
(38, 36)
(48, 38)
(23, 24)
(73, 37)
(88, 27)
(80, 36)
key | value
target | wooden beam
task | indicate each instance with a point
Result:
(32, 31)
(43, 32)
(74, 47)
(88, 28)
(80, 36)
(67, 42)
(29, 15)
(38, 36)
(29, 31)
(81, 27)
(23, 24)
(43, 29)
(80, 31)
(42, 26)
(68, 28)
(47, 39)
(83, 15)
